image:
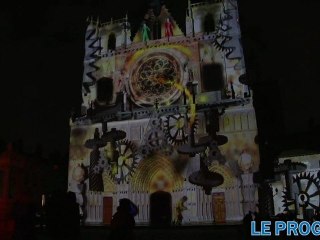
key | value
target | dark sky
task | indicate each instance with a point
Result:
(42, 54)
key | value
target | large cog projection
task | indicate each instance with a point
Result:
(306, 189)
(126, 162)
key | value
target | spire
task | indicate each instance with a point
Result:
(98, 26)
(189, 8)
(190, 18)
(89, 20)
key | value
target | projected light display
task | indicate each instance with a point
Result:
(154, 78)
(296, 188)
(166, 120)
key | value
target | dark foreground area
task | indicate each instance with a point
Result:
(147, 233)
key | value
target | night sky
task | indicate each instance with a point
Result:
(42, 49)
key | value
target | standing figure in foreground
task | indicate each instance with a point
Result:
(123, 222)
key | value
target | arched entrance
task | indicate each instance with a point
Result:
(160, 209)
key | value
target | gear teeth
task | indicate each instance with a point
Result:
(168, 126)
(294, 179)
(298, 177)
(156, 122)
(308, 175)
(285, 199)
(144, 151)
(129, 145)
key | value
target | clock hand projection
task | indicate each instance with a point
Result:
(154, 78)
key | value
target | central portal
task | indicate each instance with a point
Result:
(160, 209)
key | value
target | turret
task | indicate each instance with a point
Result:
(115, 34)
(189, 21)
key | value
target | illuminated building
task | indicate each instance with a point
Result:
(165, 116)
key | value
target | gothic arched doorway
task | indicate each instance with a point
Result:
(160, 209)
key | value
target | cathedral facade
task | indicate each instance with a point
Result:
(167, 119)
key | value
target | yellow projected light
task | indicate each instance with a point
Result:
(108, 183)
(156, 173)
(228, 177)
(191, 103)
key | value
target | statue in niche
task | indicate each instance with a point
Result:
(168, 28)
(78, 186)
(145, 33)
(248, 188)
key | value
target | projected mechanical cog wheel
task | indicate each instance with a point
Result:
(155, 139)
(175, 128)
(306, 188)
(144, 151)
(126, 163)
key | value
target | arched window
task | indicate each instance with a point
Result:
(209, 24)
(212, 77)
(112, 42)
(104, 90)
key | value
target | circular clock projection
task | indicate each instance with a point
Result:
(153, 79)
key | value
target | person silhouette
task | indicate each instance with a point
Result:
(123, 222)
(71, 219)
(247, 224)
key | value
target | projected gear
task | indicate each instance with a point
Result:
(175, 129)
(127, 161)
(144, 151)
(155, 139)
(156, 122)
(307, 190)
